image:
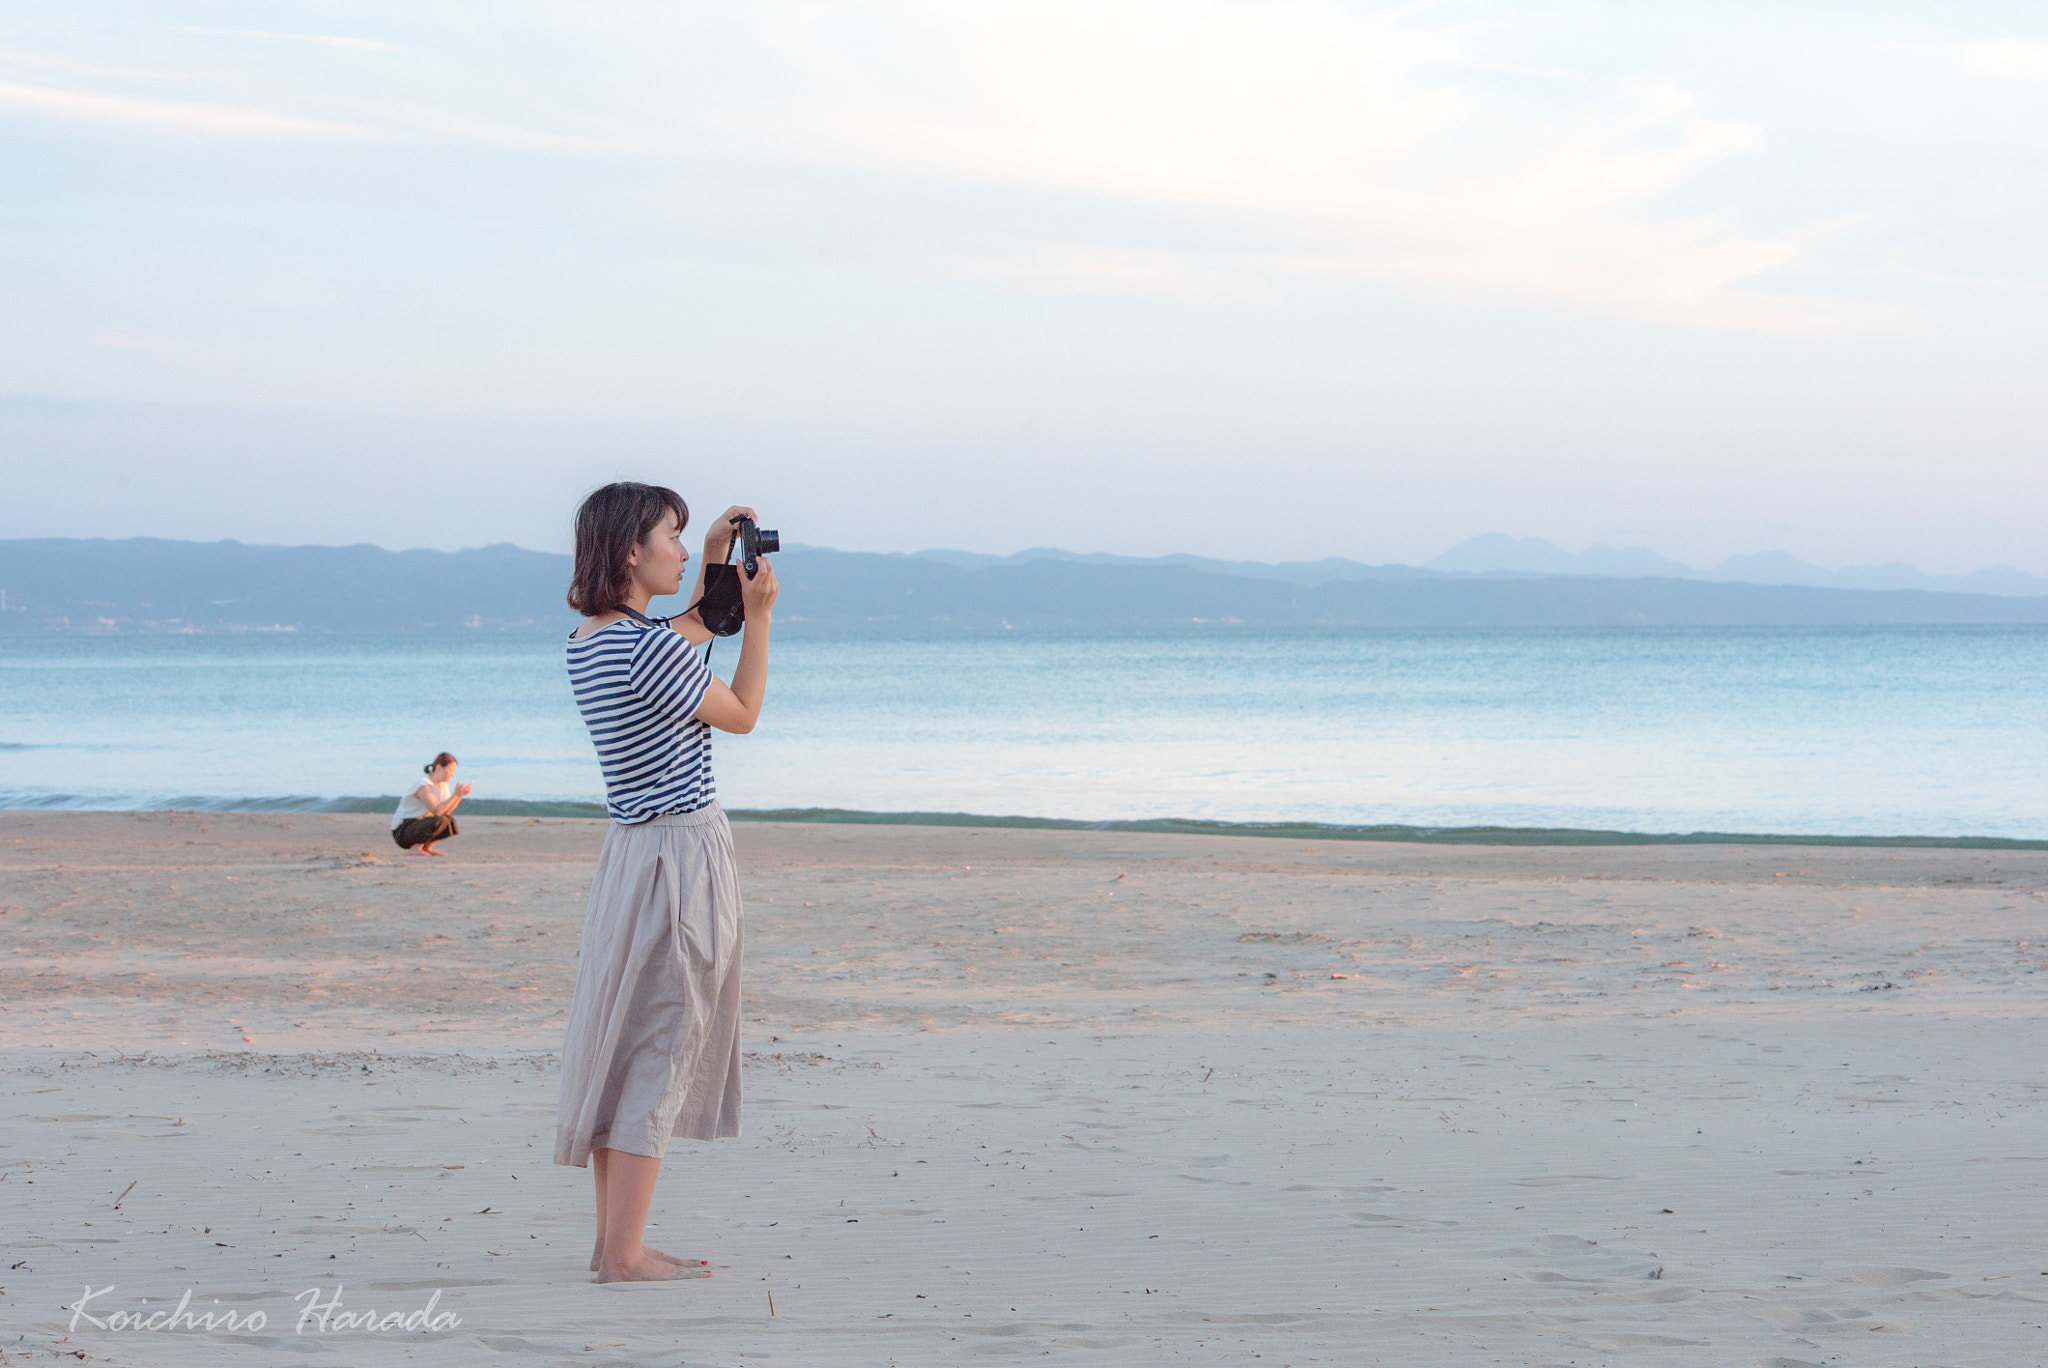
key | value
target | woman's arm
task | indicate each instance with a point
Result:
(738, 708)
(435, 804)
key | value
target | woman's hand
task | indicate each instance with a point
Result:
(757, 595)
(462, 790)
(720, 534)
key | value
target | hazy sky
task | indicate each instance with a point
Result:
(1250, 279)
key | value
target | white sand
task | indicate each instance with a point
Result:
(1113, 1099)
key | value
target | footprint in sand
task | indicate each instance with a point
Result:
(1896, 1277)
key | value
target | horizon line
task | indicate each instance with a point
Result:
(1428, 566)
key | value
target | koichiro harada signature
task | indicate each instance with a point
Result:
(321, 1318)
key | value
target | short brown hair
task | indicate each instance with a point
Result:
(611, 522)
(444, 758)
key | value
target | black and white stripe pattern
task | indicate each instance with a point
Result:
(638, 687)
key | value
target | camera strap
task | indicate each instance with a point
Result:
(645, 620)
(723, 593)
(720, 608)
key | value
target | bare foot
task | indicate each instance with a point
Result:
(650, 1268)
(597, 1253)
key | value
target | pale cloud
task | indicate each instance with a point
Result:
(1996, 284)
(361, 118)
(1223, 150)
(2017, 59)
(1317, 142)
(1985, 96)
(267, 36)
(1087, 268)
(166, 116)
(434, 124)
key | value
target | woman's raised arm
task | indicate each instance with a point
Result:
(738, 708)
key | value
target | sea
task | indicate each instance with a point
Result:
(1862, 732)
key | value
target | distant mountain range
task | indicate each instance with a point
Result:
(154, 586)
(1496, 553)
(1499, 556)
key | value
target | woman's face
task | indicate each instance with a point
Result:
(658, 562)
(443, 773)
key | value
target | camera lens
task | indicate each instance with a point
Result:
(767, 541)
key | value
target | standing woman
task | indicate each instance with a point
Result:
(653, 1047)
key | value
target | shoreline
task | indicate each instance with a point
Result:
(1396, 833)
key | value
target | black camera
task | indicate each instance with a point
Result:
(756, 542)
(721, 609)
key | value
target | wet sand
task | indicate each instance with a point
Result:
(1119, 1098)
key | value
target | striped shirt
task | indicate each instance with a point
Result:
(638, 687)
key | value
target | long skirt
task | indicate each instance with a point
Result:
(653, 1043)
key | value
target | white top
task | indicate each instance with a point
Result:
(411, 806)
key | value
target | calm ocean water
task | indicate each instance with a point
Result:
(1934, 731)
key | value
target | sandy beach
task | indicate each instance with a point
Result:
(1108, 1098)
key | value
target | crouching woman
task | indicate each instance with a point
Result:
(427, 814)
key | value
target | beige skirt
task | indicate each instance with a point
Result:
(653, 1043)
